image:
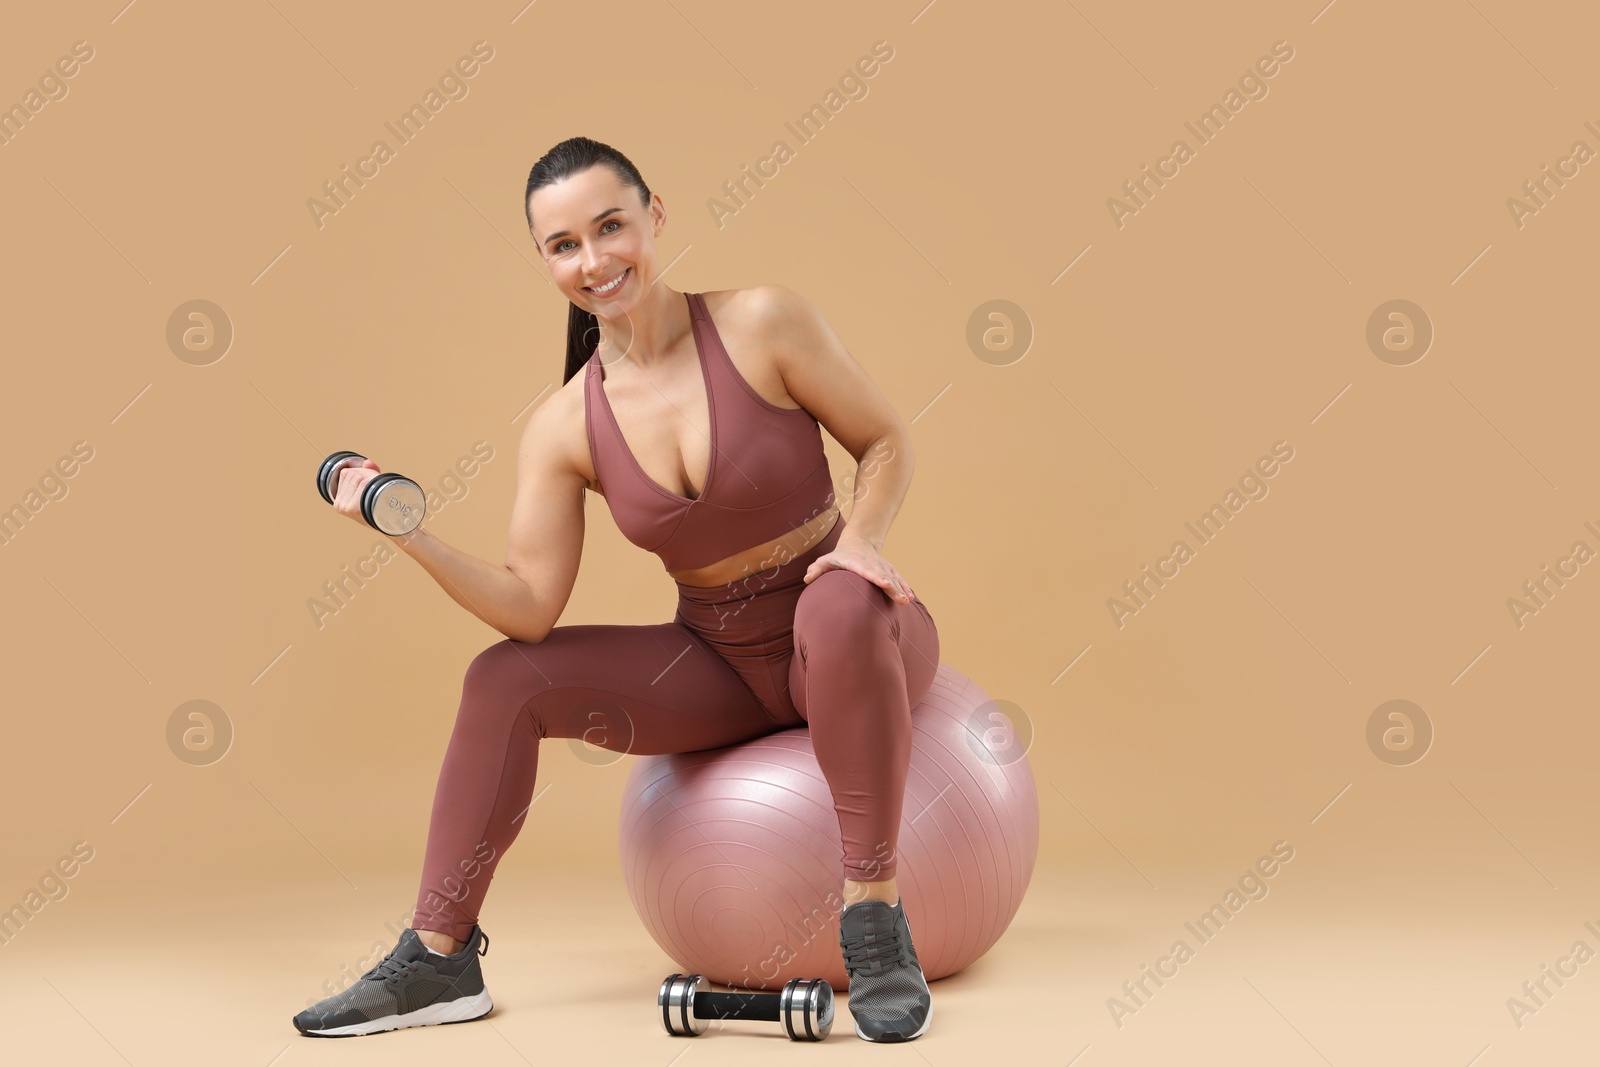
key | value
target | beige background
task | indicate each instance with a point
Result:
(1227, 314)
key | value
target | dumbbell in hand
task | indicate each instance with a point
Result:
(390, 503)
(804, 1007)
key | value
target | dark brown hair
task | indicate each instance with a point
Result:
(573, 156)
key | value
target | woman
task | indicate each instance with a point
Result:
(710, 455)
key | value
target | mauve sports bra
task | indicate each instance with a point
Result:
(767, 473)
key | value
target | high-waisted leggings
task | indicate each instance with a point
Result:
(769, 652)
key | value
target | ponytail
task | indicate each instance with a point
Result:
(583, 336)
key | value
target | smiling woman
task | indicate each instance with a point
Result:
(699, 418)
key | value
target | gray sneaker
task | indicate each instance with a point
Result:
(411, 986)
(889, 997)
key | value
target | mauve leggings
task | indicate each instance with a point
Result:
(724, 671)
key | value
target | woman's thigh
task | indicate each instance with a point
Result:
(869, 636)
(644, 689)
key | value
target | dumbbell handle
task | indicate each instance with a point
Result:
(804, 1008)
(390, 503)
(757, 1007)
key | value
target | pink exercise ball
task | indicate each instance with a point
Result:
(734, 862)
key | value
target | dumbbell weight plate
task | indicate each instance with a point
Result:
(328, 473)
(393, 504)
(806, 1008)
(676, 1001)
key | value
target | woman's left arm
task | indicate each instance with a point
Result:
(819, 372)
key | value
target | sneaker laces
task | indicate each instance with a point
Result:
(873, 953)
(391, 966)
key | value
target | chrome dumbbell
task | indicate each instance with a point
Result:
(391, 503)
(804, 1006)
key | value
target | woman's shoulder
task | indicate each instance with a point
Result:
(758, 326)
(758, 308)
(558, 420)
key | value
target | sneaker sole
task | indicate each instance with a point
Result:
(892, 1040)
(460, 1010)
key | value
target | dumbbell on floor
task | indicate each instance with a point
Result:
(391, 503)
(804, 1006)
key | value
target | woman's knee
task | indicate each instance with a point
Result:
(501, 679)
(558, 698)
(844, 609)
(505, 662)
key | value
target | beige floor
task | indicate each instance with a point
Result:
(1338, 964)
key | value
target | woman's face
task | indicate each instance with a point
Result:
(592, 231)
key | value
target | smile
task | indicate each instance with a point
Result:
(611, 286)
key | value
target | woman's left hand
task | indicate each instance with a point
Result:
(861, 557)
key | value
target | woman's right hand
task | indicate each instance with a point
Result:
(352, 480)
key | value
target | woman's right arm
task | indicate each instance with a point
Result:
(525, 596)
